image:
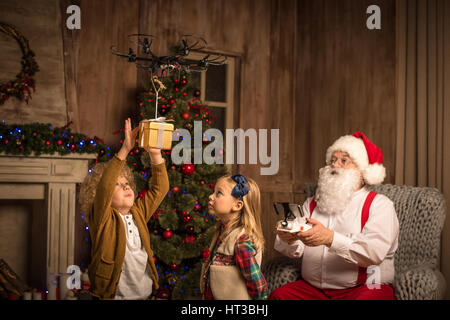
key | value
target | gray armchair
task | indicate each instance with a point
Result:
(421, 214)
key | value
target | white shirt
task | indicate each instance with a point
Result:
(373, 247)
(135, 282)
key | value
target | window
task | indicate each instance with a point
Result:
(217, 88)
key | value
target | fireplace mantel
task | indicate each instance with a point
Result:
(53, 179)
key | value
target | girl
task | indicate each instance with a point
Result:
(122, 265)
(232, 271)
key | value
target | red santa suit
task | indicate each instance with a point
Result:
(360, 261)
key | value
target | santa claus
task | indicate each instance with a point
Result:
(349, 251)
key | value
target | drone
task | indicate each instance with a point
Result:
(178, 61)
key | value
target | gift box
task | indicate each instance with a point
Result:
(155, 134)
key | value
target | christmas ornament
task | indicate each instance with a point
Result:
(197, 207)
(185, 115)
(205, 254)
(175, 189)
(197, 93)
(190, 239)
(173, 266)
(202, 182)
(164, 110)
(188, 169)
(167, 234)
(187, 218)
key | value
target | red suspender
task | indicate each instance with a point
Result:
(362, 272)
(312, 206)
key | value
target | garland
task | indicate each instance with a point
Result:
(20, 87)
(39, 138)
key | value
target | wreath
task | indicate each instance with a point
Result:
(22, 85)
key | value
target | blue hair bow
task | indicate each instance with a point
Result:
(240, 189)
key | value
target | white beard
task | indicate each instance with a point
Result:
(335, 188)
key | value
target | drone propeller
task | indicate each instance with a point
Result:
(131, 56)
(217, 61)
(192, 42)
(140, 38)
(146, 46)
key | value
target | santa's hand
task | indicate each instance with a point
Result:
(317, 235)
(285, 236)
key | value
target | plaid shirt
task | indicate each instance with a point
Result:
(244, 253)
(244, 259)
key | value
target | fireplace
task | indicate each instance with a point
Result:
(37, 213)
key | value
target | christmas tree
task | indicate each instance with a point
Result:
(181, 228)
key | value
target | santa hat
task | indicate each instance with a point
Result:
(364, 153)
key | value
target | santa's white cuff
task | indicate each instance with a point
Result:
(340, 244)
(294, 250)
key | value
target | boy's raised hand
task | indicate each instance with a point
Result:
(155, 155)
(130, 135)
(129, 140)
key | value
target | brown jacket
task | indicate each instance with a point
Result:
(108, 232)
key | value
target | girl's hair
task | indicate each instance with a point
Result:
(89, 186)
(250, 216)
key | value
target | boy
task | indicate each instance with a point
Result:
(122, 265)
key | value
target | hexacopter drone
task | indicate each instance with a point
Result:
(178, 61)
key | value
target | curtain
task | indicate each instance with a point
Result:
(423, 102)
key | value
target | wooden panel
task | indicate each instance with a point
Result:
(29, 170)
(15, 230)
(345, 80)
(101, 87)
(60, 230)
(22, 191)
